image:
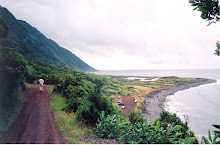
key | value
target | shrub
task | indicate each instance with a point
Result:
(87, 113)
(84, 98)
(167, 119)
(96, 104)
(75, 96)
(142, 133)
(136, 116)
(112, 127)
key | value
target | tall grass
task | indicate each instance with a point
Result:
(57, 103)
(66, 122)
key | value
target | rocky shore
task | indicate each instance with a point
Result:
(155, 102)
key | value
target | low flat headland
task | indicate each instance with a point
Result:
(155, 102)
(150, 92)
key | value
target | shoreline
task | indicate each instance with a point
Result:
(155, 102)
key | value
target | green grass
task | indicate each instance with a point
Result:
(66, 121)
(57, 103)
(112, 91)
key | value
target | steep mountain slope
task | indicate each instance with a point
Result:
(31, 43)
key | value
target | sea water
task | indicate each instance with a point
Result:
(199, 106)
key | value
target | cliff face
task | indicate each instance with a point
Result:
(31, 43)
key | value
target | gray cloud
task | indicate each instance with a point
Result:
(125, 34)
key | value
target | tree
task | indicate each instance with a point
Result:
(209, 8)
(210, 11)
(217, 51)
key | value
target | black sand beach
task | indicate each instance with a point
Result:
(155, 102)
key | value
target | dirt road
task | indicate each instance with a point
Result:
(35, 123)
(129, 103)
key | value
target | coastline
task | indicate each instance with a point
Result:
(155, 102)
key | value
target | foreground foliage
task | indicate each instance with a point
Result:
(115, 127)
(167, 119)
(211, 140)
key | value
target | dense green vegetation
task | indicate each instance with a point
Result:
(167, 119)
(84, 98)
(50, 72)
(168, 129)
(28, 41)
(12, 73)
(115, 127)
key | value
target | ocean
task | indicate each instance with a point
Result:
(198, 106)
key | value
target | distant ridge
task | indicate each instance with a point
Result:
(31, 43)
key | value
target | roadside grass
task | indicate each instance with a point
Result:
(66, 122)
(57, 103)
(51, 88)
(27, 86)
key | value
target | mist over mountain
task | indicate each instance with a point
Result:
(31, 43)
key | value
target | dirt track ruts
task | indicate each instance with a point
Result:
(35, 123)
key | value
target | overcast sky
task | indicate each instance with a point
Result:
(125, 34)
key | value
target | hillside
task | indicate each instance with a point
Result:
(31, 43)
